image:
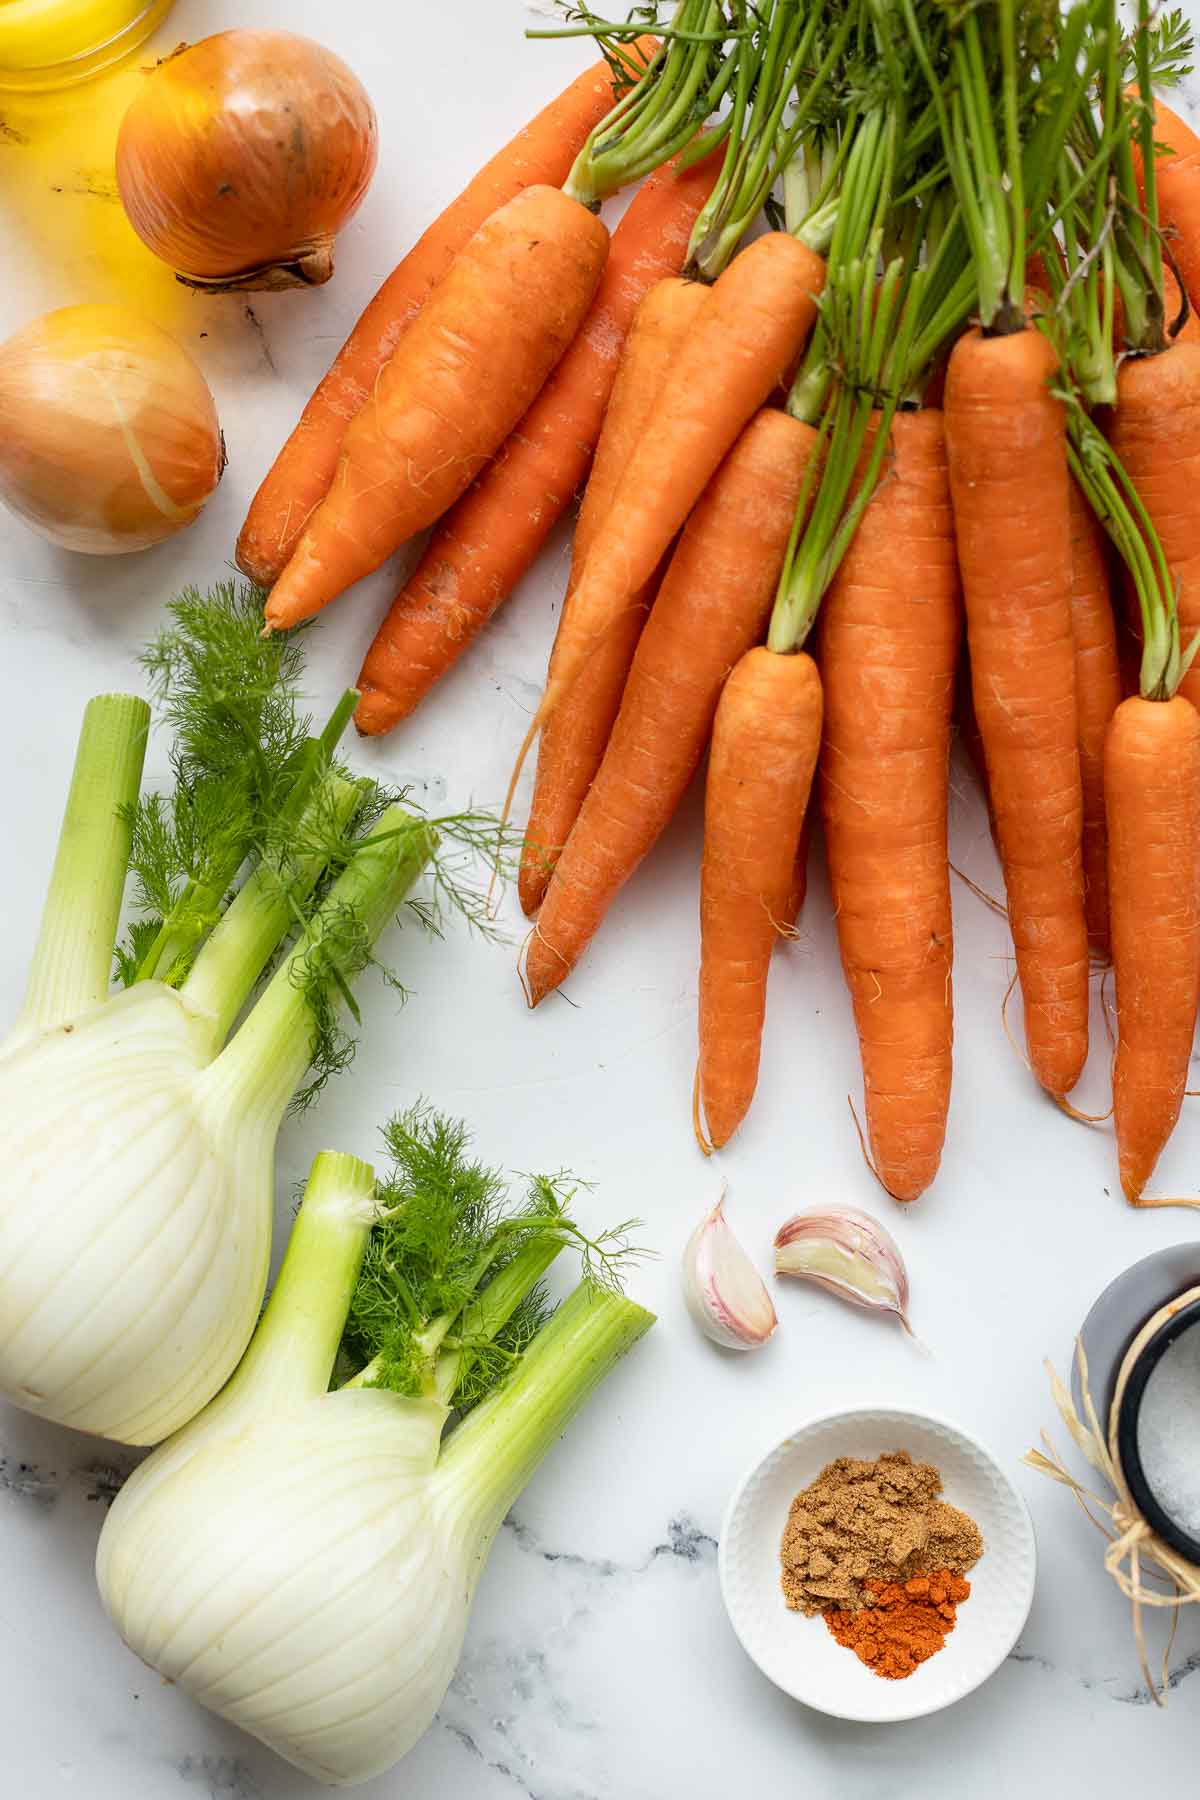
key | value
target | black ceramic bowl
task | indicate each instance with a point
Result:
(1127, 1432)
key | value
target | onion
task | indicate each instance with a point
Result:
(108, 433)
(242, 157)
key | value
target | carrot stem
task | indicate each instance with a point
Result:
(880, 327)
(662, 114)
(760, 148)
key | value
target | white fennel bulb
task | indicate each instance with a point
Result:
(324, 1609)
(137, 1195)
(112, 1128)
(302, 1561)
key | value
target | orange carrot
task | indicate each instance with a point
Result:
(1189, 331)
(461, 377)
(1098, 694)
(968, 730)
(799, 888)
(1179, 216)
(1152, 792)
(712, 606)
(576, 737)
(1155, 431)
(1006, 444)
(1173, 136)
(765, 741)
(542, 152)
(889, 639)
(761, 312)
(485, 543)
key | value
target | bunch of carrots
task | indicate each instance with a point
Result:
(927, 444)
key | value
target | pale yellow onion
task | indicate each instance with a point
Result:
(108, 434)
(243, 156)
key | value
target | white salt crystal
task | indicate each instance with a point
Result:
(1169, 1432)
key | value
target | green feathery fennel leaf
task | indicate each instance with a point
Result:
(448, 1230)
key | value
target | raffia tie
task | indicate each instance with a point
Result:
(1148, 1571)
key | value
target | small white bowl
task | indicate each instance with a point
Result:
(799, 1654)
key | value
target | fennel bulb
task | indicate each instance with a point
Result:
(137, 1195)
(303, 1561)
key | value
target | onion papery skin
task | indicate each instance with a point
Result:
(309, 1579)
(135, 1219)
(109, 440)
(243, 156)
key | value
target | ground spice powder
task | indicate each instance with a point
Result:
(862, 1522)
(902, 1624)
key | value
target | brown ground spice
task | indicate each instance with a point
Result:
(862, 1522)
(902, 1624)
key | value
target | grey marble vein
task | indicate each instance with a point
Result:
(100, 1480)
(219, 1777)
(1137, 1696)
(685, 1542)
(1142, 1696)
(256, 325)
(497, 1766)
(25, 1481)
(512, 1705)
(1021, 1655)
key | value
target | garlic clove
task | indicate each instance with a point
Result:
(848, 1252)
(725, 1293)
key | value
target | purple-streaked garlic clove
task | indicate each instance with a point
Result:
(725, 1293)
(848, 1252)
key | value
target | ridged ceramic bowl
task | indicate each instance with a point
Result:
(798, 1654)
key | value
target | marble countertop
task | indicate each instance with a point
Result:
(599, 1662)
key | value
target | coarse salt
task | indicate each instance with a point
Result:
(1169, 1432)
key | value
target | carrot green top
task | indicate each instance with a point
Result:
(1008, 79)
(1111, 230)
(879, 197)
(1112, 243)
(796, 73)
(666, 103)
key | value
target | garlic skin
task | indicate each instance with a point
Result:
(848, 1252)
(724, 1292)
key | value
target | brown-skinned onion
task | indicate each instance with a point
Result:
(109, 439)
(243, 156)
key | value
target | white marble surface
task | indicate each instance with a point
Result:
(599, 1662)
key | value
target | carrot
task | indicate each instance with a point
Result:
(1152, 791)
(1098, 694)
(485, 543)
(889, 639)
(1006, 445)
(711, 608)
(759, 317)
(1179, 216)
(1172, 293)
(1172, 135)
(461, 377)
(799, 889)
(541, 153)
(972, 742)
(1189, 331)
(575, 738)
(765, 741)
(1155, 432)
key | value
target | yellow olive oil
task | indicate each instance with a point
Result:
(59, 201)
(48, 44)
